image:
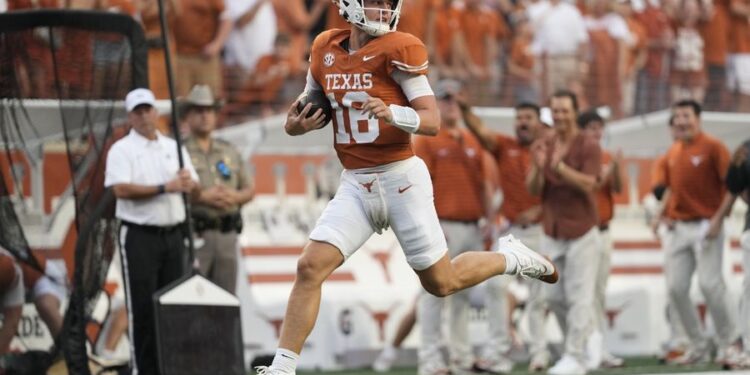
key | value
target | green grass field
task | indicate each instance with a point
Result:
(641, 365)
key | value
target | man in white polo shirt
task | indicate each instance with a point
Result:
(561, 43)
(143, 171)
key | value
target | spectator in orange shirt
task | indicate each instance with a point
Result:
(716, 53)
(522, 210)
(688, 75)
(295, 20)
(696, 168)
(652, 94)
(148, 12)
(610, 37)
(609, 183)
(264, 84)
(33, 53)
(449, 51)
(200, 30)
(521, 62)
(635, 55)
(418, 18)
(455, 160)
(109, 53)
(483, 30)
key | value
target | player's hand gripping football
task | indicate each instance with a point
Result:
(297, 122)
(376, 108)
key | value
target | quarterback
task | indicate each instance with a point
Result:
(375, 79)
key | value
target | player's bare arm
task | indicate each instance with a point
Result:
(477, 127)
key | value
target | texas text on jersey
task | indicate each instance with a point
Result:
(348, 79)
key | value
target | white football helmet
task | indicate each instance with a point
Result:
(353, 12)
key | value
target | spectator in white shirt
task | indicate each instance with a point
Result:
(561, 42)
(253, 33)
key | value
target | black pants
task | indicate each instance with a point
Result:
(151, 260)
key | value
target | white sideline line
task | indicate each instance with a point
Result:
(737, 372)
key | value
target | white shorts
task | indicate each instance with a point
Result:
(45, 285)
(369, 200)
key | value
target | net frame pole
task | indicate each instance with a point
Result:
(176, 131)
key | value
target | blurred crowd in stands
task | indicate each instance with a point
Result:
(631, 56)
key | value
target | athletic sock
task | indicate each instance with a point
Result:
(511, 265)
(285, 360)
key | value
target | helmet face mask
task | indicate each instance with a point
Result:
(353, 12)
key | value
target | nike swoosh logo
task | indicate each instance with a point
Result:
(286, 356)
(368, 58)
(401, 191)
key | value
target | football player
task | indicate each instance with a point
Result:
(375, 79)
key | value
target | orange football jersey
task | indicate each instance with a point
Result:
(348, 79)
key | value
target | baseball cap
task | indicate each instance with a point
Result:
(446, 88)
(139, 96)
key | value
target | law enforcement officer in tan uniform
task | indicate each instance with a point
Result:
(226, 187)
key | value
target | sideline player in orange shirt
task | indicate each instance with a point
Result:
(524, 213)
(610, 183)
(696, 169)
(376, 81)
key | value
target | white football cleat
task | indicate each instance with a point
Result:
(567, 365)
(539, 362)
(264, 370)
(531, 265)
(497, 365)
(385, 360)
(434, 367)
(693, 357)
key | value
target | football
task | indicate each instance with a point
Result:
(319, 101)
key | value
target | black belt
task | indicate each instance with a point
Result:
(155, 43)
(224, 224)
(155, 229)
(693, 220)
(523, 226)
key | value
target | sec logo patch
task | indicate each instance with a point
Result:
(328, 59)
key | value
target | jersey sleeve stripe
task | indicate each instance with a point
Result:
(408, 68)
